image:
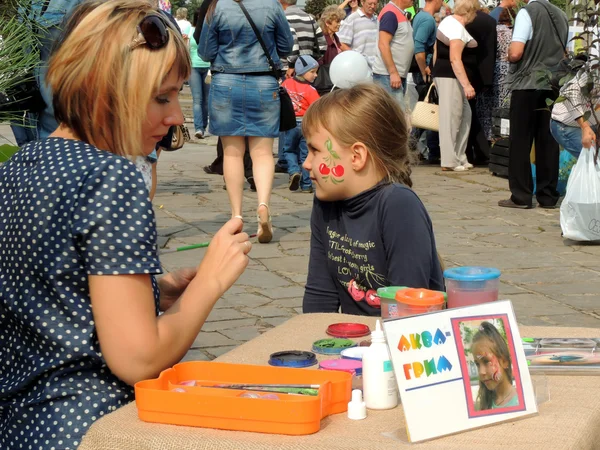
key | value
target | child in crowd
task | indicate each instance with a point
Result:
(294, 145)
(492, 358)
(369, 229)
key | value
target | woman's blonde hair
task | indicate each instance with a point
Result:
(366, 113)
(467, 9)
(101, 88)
(329, 14)
(181, 13)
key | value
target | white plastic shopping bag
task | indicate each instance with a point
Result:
(580, 209)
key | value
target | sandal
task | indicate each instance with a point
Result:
(265, 229)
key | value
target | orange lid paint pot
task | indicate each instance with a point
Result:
(418, 301)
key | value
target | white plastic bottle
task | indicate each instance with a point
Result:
(380, 390)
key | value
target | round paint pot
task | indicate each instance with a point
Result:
(332, 346)
(348, 330)
(354, 353)
(293, 358)
(343, 365)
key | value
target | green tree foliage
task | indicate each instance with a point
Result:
(18, 44)
(316, 7)
(562, 4)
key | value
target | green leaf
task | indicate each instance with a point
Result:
(329, 147)
(587, 115)
(560, 99)
(549, 102)
(6, 151)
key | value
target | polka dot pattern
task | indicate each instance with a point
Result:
(67, 211)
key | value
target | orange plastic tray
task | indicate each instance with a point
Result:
(225, 409)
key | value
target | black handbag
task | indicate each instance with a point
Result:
(287, 116)
(323, 83)
(25, 95)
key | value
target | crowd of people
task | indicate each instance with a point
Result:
(84, 317)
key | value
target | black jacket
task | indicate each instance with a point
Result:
(483, 30)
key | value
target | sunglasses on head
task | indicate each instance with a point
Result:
(153, 31)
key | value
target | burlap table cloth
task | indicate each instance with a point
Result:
(570, 420)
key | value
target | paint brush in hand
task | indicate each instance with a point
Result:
(193, 246)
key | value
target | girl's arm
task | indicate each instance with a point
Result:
(320, 294)
(408, 241)
(456, 49)
(135, 343)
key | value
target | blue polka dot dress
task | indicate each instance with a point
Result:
(67, 211)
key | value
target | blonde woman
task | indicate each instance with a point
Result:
(78, 250)
(452, 81)
(181, 16)
(330, 21)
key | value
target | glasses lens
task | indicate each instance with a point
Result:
(154, 31)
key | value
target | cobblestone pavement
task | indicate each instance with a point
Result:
(550, 281)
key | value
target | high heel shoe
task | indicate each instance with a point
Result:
(265, 229)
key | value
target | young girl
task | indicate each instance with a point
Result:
(369, 229)
(492, 358)
(79, 303)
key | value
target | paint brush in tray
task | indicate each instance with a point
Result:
(301, 389)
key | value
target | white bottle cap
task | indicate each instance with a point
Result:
(357, 409)
(377, 335)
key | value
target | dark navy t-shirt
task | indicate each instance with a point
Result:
(67, 211)
(381, 237)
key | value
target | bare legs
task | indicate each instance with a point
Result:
(261, 152)
(233, 171)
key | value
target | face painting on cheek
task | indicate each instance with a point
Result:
(494, 365)
(329, 169)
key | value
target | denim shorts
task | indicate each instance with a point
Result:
(244, 105)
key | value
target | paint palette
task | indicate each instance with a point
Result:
(166, 400)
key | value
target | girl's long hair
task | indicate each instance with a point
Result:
(499, 348)
(366, 113)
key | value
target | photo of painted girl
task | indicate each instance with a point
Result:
(489, 363)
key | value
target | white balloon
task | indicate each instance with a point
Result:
(348, 69)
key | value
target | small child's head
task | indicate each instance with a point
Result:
(492, 358)
(356, 138)
(306, 67)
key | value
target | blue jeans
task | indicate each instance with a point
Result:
(398, 94)
(568, 137)
(295, 152)
(46, 123)
(24, 130)
(280, 156)
(200, 91)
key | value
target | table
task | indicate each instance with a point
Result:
(570, 420)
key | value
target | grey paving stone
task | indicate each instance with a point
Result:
(228, 324)
(242, 333)
(288, 302)
(285, 292)
(290, 245)
(276, 321)
(218, 351)
(196, 355)
(242, 299)
(217, 315)
(262, 279)
(212, 339)
(287, 263)
(266, 311)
